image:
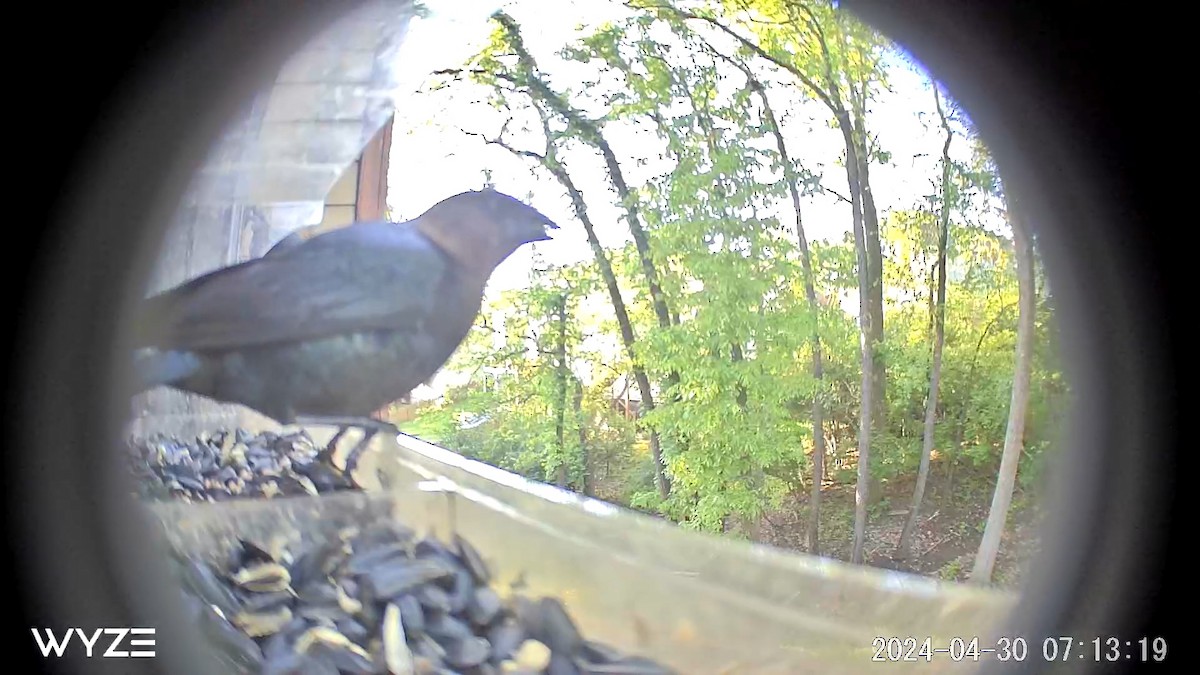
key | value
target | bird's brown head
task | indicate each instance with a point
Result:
(481, 229)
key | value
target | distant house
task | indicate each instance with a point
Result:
(626, 397)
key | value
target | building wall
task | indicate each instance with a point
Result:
(343, 198)
(360, 194)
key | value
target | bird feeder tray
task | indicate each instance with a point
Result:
(694, 602)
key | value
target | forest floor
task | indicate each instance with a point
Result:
(948, 537)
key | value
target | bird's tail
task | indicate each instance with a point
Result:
(154, 368)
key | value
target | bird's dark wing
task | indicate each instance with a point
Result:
(322, 287)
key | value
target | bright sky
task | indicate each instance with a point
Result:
(432, 159)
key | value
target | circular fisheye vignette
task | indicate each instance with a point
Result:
(1048, 555)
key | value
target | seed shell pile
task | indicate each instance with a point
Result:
(382, 600)
(229, 465)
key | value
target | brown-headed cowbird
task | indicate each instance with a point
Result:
(332, 328)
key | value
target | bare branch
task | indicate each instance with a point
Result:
(837, 194)
(499, 140)
(790, 67)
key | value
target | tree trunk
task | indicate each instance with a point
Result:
(585, 459)
(932, 286)
(989, 547)
(620, 310)
(856, 135)
(810, 292)
(870, 292)
(628, 339)
(590, 133)
(961, 419)
(870, 316)
(752, 523)
(560, 381)
(874, 293)
(863, 486)
(904, 545)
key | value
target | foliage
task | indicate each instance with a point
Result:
(714, 206)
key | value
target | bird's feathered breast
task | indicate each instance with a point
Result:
(370, 276)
